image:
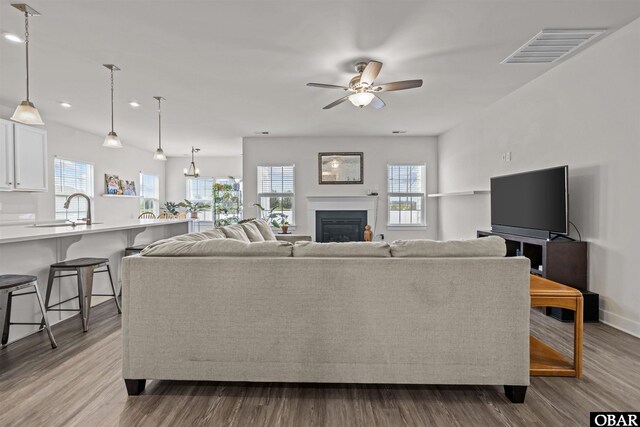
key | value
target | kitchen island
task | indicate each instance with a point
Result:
(29, 249)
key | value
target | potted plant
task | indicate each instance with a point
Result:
(172, 208)
(277, 219)
(194, 207)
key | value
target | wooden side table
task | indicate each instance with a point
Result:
(544, 360)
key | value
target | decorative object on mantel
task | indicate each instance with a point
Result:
(340, 168)
(192, 170)
(112, 140)
(368, 234)
(277, 219)
(194, 207)
(26, 112)
(159, 154)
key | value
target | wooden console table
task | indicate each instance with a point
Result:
(544, 360)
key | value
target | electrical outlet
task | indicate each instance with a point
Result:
(504, 157)
(508, 156)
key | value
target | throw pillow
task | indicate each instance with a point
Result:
(265, 229)
(252, 232)
(235, 232)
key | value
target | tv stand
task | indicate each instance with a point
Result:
(558, 259)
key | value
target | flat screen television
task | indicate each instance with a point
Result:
(532, 203)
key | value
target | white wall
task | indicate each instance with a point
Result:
(585, 113)
(215, 167)
(74, 144)
(378, 152)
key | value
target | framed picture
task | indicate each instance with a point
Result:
(112, 184)
(129, 188)
(340, 168)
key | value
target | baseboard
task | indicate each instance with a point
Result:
(628, 326)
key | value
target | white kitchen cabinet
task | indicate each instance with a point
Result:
(6, 155)
(23, 166)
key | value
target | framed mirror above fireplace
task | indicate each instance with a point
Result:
(340, 168)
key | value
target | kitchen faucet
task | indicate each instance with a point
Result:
(87, 220)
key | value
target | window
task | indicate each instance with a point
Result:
(406, 194)
(276, 189)
(72, 177)
(201, 190)
(149, 193)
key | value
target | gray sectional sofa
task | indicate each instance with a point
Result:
(208, 308)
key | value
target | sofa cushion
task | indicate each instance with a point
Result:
(265, 229)
(251, 229)
(192, 237)
(218, 248)
(235, 232)
(215, 233)
(342, 250)
(492, 246)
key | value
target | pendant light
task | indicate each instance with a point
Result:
(112, 140)
(192, 170)
(159, 154)
(26, 112)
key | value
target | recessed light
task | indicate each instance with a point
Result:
(12, 38)
(262, 132)
(134, 104)
(397, 132)
(65, 104)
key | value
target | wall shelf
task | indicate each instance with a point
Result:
(459, 193)
(120, 196)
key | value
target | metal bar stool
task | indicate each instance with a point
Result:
(134, 250)
(83, 269)
(10, 283)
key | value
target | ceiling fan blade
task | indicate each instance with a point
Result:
(370, 72)
(377, 103)
(338, 102)
(388, 87)
(325, 86)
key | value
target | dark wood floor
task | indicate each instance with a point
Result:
(80, 384)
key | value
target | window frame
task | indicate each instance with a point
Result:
(187, 194)
(90, 185)
(156, 199)
(422, 195)
(292, 195)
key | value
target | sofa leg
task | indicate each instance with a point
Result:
(515, 393)
(134, 387)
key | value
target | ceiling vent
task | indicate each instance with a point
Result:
(551, 45)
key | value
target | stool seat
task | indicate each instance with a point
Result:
(137, 248)
(80, 262)
(11, 280)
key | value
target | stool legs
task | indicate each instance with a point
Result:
(5, 316)
(85, 289)
(52, 276)
(113, 288)
(44, 317)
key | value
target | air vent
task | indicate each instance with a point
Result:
(551, 45)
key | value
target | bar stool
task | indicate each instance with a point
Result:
(134, 250)
(83, 269)
(10, 283)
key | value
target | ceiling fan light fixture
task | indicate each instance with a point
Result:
(361, 99)
(112, 141)
(27, 113)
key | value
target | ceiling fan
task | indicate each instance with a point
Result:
(363, 91)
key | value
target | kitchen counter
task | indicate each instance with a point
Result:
(23, 233)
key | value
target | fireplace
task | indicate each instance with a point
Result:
(340, 226)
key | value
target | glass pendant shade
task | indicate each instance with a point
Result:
(361, 99)
(27, 113)
(112, 141)
(159, 155)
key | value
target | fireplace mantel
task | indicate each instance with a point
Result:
(341, 203)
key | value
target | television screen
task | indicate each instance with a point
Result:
(536, 200)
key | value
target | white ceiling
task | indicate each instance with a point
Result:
(231, 68)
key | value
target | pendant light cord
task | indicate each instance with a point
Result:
(159, 124)
(111, 98)
(26, 44)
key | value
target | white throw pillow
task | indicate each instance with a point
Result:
(219, 248)
(235, 232)
(492, 246)
(252, 232)
(342, 250)
(264, 228)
